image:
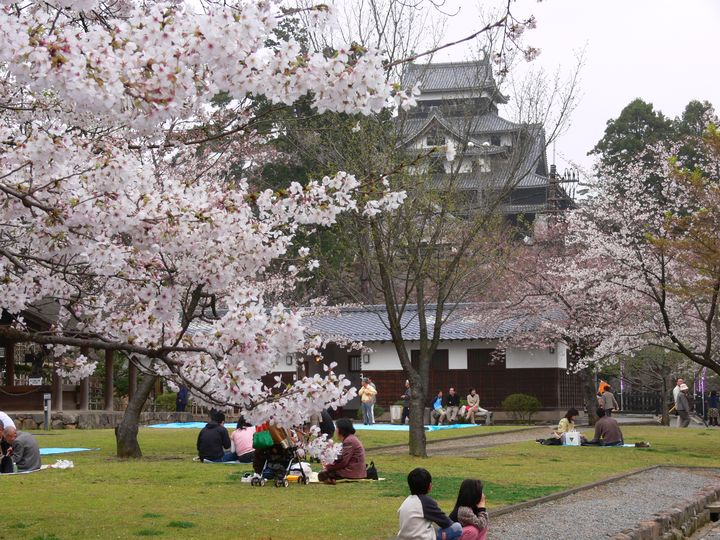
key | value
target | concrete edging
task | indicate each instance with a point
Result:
(676, 523)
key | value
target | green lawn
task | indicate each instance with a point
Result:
(168, 495)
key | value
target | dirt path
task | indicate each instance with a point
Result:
(468, 446)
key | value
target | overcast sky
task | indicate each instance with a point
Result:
(663, 51)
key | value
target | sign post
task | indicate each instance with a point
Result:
(47, 407)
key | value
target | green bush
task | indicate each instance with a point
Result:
(378, 411)
(521, 407)
(166, 402)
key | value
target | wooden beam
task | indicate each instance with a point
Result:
(10, 364)
(57, 389)
(84, 389)
(109, 385)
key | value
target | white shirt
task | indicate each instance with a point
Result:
(6, 420)
(676, 391)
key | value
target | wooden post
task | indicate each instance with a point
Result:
(10, 364)
(132, 379)
(57, 391)
(109, 386)
(84, 385)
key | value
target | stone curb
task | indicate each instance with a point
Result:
(571, 491)
(678, 522)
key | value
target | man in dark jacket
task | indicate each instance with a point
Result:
(213, 443)
(452, 406)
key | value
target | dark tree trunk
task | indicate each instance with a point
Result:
(590, 393)
(416, 441)
(126, 432)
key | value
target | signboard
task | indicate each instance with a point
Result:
(35, 381)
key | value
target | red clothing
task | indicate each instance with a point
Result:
(351, 462)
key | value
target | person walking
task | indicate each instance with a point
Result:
(713, 408)
(374, 401)
(682, 406)
(406, 403)
(367, 393)
(608, 401)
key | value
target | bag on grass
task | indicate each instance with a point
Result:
(262, 439)
(371, 472)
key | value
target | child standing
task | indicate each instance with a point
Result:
(418, 512)
(470, 510)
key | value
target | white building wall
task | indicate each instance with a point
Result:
(385, 358)
(552, 357)
(281, 365)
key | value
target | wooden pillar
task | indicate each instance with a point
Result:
(84, 385)
(132, 379)
(10, 364)
(109, 386)
(57, 391)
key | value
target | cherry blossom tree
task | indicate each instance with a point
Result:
(656, 251)
(118, 206)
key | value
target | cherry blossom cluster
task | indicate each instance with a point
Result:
(121, 198)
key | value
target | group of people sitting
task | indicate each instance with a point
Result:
(607, 430)
(449, 410)
(215, 445)
(19, 451)
(419, 513)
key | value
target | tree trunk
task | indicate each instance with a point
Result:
(126, 432)
(590, 393)
(416, 441)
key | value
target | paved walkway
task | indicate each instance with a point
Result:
(605, 510)
(466, 446)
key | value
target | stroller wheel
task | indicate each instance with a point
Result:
(286, 483)
(263, 481)
(255, 482)
(306, 480)
(279, 483)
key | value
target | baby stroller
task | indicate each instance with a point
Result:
(276, 451)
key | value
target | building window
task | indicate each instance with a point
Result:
(355, 363)
(495, 140)
(482, 165)
(434, 138)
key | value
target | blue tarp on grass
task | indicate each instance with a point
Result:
(374, 427)
(53, 451)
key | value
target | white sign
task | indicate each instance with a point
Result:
(35, 381)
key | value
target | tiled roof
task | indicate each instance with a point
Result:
(467, 322)
(438, 77)
(471, 126)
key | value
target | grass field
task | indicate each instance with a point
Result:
(166, 494)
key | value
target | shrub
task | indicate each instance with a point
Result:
(521, 407)
(378, 411)
(166, 402)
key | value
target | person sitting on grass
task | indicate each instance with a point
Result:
(6, 463)
(351, 461)
(607, 431)
(24, 449)
(213, 442)
(470, 510)
(567, 424)
(418, 512)
(242, 439)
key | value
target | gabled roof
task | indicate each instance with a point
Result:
(452, 77)
(462, 127)
(472, 321)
